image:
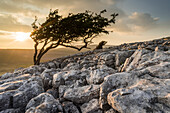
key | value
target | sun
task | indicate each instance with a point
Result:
(21, 36)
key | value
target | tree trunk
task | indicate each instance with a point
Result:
(37, 62)
(35, 53)
(39, 56)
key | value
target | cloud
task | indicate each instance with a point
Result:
(39, 7)
(24, 9)
(143, 21)
(135, 23)
(124, 23)
(10, 23)
(17, 6)
(4, 33)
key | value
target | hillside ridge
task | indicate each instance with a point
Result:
(128, 78)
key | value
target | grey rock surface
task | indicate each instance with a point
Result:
(91, 107)
(144, 96)
(82, 94)
(113, 82)
(69, 107)
(128, 78)
(43, 103)
(17, 91)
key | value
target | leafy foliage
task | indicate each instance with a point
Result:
(65, 31)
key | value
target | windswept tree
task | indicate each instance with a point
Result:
(66, 31)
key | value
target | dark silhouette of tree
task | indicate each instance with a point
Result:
(66, 31)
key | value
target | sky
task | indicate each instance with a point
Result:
(138, 20)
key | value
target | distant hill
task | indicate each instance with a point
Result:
(11, 59)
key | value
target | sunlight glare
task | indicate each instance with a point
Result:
(21, 36)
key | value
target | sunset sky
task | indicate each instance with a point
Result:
(138, 20)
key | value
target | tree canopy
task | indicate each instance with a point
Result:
(65, 31)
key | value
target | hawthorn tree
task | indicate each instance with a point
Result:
(66, 31)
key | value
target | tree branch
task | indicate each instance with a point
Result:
(74, 47)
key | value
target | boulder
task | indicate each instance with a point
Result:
(30, 89)
(132, 62)
(15, 78)
(6, 99)
(53, 92)
(6, 76)
(69, 107)
(82, 94)
(62, 89)
(144, 96)
(17, 91)
(161, 70)
(121, 56)
(33, 70)
(106, 58)
(68, 77)
(113, 82)
(91, 107)
(111, 111)
(47, 77)
(51, 65)
(11, 85)
(97, 74)
(43, 103)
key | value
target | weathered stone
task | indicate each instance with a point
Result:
(111, 111)
(161, 70)
(11, 111)
(33, 70)
(53, 92)
(69, 107)
(132, 62)
(122, 56)
(20, 77)
(47, 77)
(51, 65)
(82, 94)
(96, 76)
(72, 66)
(113, 82)
(68, 77)
(91, 107)
(31, 88)
(143, 87)
(105, 58)
(145, 96)
(6, 99)
(10, 85)
(43, 103)
(6, 76)
(62, 90)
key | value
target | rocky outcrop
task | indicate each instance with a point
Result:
(69, 107)
(43, 103)
(18, 92)
(91, 107)
(82, 94)
(129, 78)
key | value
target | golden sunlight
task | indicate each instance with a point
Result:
(21, 36)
